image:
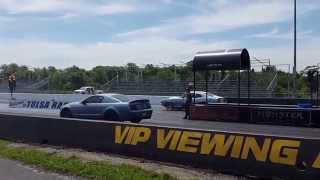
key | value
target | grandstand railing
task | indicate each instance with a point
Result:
(107, 85)
(39, 84)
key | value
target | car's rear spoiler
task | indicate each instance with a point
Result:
(139, 104)
(139, 101)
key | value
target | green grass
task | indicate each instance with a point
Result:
(77, 167)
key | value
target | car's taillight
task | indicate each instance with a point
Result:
(139, 106)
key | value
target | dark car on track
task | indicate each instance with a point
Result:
(178, 102)
(113, 107)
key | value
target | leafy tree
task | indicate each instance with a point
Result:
(99, 75)
(74, 77)
(184, 72)
(166, 74)
(132, 68)
(56, 81)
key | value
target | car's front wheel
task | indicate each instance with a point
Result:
(111, 116)
(66, 113)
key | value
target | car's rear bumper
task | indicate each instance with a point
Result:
(141, 114)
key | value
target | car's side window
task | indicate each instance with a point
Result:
(108, 100)
(197, 95)
(94, 99)
(100, 99)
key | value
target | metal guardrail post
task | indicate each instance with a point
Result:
(239, 90)
(317, 100)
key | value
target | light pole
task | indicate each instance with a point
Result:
(295, 51)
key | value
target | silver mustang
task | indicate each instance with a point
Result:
(113, 107)
(178, 102)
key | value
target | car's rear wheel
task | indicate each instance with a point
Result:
(66, 113)
(169, 106)
(111, 116)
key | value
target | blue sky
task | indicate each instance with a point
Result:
(88, 33)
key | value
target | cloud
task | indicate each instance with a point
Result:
(270, 34)
(161, 41)
(115, 9)
(142, 51)
(5, 19)
(32, 6)
(229, 16)
(79, 7)
(276, 34)
(167, 1)
(307, 53)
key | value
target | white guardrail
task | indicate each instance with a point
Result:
(55, 101)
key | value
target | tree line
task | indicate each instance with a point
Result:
(74, 77)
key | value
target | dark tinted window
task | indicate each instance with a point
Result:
(197, 95)
(121, 98)
(94, 99)
(109, 100)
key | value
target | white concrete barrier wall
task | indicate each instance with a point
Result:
(55, 101)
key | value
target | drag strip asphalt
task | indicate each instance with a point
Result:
(12, 170)
(162, 117)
